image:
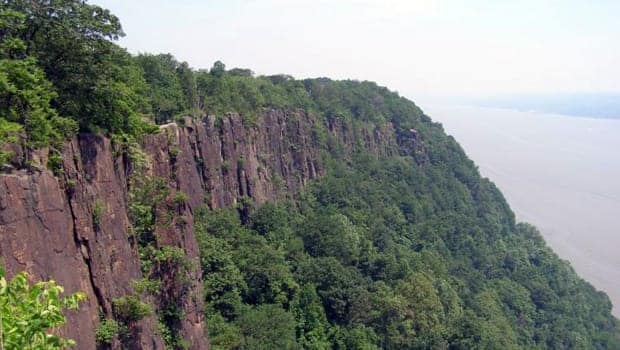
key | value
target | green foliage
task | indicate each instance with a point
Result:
(98, 210)
(25, 93)
(238, 90)
(166, 269)
(165, 260)
(5, 157)
(60, 71)
(25, 97)
(60, 60)
(127, 146)
(413, 251)
(312, 325)
(54, 163)
(70, 41)
(29, 313)
(170, 338)
(320, 240)
(129, 309)
(171, 86)
(146, 193)
(107, 330)
(180, 198)
(147, 286)
(268, 327)
(9, 131)
(223, 335)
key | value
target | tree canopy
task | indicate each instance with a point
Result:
(390, 254)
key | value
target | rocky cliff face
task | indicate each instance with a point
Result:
(74, 227)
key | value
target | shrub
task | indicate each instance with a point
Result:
(5, 157)
(130, 309)
(174, 152)
(127, 146)
(98, 210)
(54, 163)
(9, 132)
(180, 198)
(146, 285)
(106, 331)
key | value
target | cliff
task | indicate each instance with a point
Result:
(74, 227)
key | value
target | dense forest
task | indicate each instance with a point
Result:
(412, 251)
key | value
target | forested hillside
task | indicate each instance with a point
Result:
(404, 249)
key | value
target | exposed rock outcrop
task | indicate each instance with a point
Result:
(74, 227)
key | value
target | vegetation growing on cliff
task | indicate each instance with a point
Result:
(413, 251)
(391, 254)
(165, 268)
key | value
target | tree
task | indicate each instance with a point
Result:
(328, 234)
(187, 80)
(95, 82)
(312, 322)
(268, 327)
(29, 312)
(218, 70)
(25, 93)
(164, 93)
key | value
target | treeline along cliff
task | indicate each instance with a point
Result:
(217, 209)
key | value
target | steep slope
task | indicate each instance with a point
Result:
(75, 227)
(411, 249)
(378, 208)
(382, 235)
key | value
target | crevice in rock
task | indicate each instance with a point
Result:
(222, 142)
(248, 186)
(96, 290)
(199, 161)
(81, 245)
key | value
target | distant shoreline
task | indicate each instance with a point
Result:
(546, 112)
(586, 105)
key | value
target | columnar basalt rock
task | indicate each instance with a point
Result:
(74, 227)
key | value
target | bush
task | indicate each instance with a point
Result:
(106, 331)
(180, 198)
(54, 163)
(130, 309)
(5, 157)
(9, 132)
(98, 210)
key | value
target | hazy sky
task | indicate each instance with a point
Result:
(418, 47)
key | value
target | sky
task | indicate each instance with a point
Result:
(417, 47)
